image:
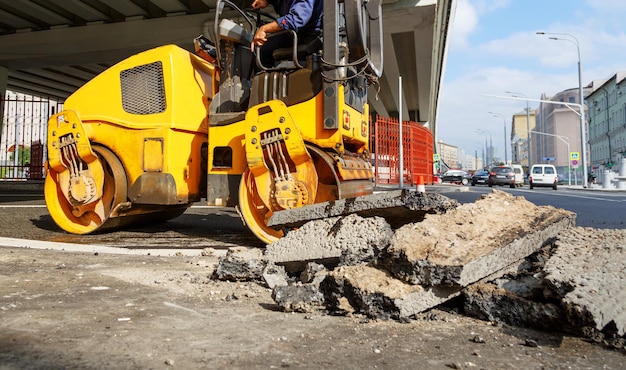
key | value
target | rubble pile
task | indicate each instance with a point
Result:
(510, 260)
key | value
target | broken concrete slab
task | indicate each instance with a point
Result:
(398, 207)
(489, 302)
(473, 241)
(376, 294)
(588, 273)
(305, 295)
(326, 241)
(313, 273)
(298, 297)
(274, 276)
(241, 264)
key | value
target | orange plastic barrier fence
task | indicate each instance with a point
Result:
(417, 151)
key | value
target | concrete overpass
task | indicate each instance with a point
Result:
(51, 47)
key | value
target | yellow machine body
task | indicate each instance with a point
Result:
(130, 141)
(164, 128)
(309, 165)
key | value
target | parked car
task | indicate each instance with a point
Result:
(480, 177)
(501, 175)
(543, 175)
(519, 174)
(456, 177)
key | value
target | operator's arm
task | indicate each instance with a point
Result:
(261, 33)
(302, 14)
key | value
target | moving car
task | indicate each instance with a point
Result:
(501, 175)
(480, 177)
(456, 177)
(543, 175)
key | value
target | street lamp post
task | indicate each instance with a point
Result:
(583, 133)
(528, 146)
(506, 159)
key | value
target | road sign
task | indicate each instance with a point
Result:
(574, 156)
(435, 157)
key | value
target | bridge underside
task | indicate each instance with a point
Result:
(50, 48)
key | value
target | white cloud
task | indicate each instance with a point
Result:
(515, 58)
(607, 6)
(465, 21)
(465, 108)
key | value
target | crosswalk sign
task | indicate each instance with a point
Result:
(574, 156)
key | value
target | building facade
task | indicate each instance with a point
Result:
(449, 154)
(557, 132)
(607, 122)
(521, 124)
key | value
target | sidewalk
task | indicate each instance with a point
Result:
(31, 187)
(594, 187)
(36, 187)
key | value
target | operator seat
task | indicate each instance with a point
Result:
(295, 77)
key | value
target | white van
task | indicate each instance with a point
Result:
(519, 174)
(543, 175)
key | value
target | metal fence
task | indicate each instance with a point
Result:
(23, 136)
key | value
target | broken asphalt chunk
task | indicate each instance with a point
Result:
(377, 294)
(241, 264)
(351, 238)
(473, 241)
(587, 272)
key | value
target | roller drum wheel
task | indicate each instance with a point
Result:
(254, 212)
(88, 218)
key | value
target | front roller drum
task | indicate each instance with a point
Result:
(254, 211)
(77, 218)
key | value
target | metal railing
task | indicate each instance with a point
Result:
(23, 135)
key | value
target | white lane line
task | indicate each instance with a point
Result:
(573, 196)
(174, 305)
(22, 206)
(92, 248)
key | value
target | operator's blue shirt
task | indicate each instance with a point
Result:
(299, 15)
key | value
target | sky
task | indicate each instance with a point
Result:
(494, 48)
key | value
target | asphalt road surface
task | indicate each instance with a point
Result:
(102, 311)
(593, 208)
(25, 216)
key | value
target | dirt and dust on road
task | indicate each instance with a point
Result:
(93, 310)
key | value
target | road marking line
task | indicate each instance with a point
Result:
(574, 196)
(22, 206)
(93, 248)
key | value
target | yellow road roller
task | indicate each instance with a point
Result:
(166, 127)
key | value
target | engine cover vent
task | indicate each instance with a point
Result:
(143, 90)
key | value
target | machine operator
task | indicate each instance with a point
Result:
(302, 16)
